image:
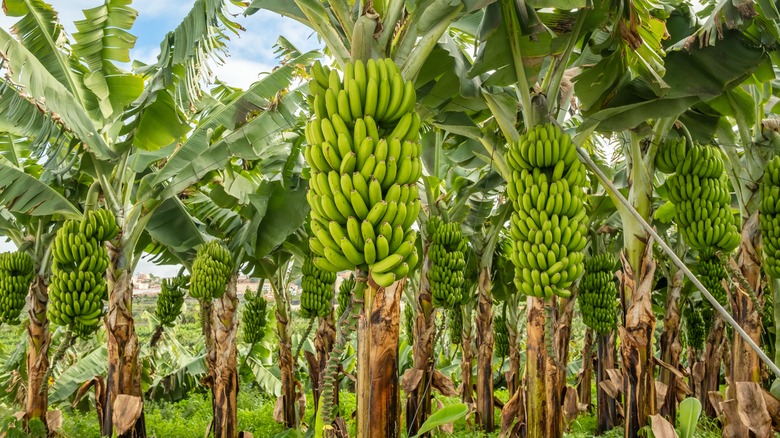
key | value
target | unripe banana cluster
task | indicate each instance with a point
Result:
(448, 261)
(670, 153)
(171, 298)
(254, 317)
(317, 295)
(364, 155)
(769, 209)
(16, 275)
(700, 193)
(694, 328)
(549, 221)
(210, 271)
(78, 286)
(500, 336)
(598, 293)
(345, 294)
(456, 325)
(409, 323)
(712, 272)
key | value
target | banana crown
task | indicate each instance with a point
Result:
(77, 286)
(210, 271)
(598, 293)
(16, 275)
(364, 154)
(317, 294)
(548, 225)
(769, 209)
(254, 317)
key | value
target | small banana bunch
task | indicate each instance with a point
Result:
(500, 336)
(78, 286)
(712, 272)
(16, 275)
(447, 254)
(210, 271)
(548, 223)
(701, 197)
(254, 317)
(598, 293)
(364, 155)
(317, 295)
(769, 209)
(171, 298)
(694, 327)
(345, 294)
(409, 322)
(456, 325)
(670, 153)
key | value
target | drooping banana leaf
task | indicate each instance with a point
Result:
(25, 194)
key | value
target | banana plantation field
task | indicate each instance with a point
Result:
(464, 218)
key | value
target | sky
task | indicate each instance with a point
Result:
(250, 53)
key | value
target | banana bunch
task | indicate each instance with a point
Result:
(694, 327)
(712, 272)
(210, 271)
(345, 294)
(16, 275)
(548, 224)
(500, 336)
(409, 322)
(254, 317)
(701, 197)
(769, 209)
(317, 295)
(171, 298)
(364, 154)
(456, 325)
(598, 293)
(669, 155)
(77, 286)
(447, 254)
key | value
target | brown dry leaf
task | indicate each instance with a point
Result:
(127, 409)
(752, 409)
(444, 384)
(278, 411)
(732, 427)
(616, 376)
(245, 434)
(698, 372)
(411, 379)
(773, 408)
(716, 398)
(512, 410)
(54, 420)
(445, 428)
(609, 387)
(660, 393)
(662, 428)
(301, 400)
(571, 405)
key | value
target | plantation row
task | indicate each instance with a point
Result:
(505, 170)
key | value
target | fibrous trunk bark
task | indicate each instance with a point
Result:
(418, 401)
(378, 386)
(484, 412)
(670, 346)
(535, 369)
(556, 365)
(324, 339)
(123, 376)
(286, 360)
(223, 376)
(711, 362)
(37, 352)
(467, 357)
(606, 405)
(636, 341)
(513, 377)
(584, 385)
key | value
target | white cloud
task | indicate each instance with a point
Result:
(241, 72)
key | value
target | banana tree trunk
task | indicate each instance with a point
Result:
(286, 360)
(224, 374)
(712, 359)
(607, 406)
(536, 370)
(123, 376)
(324, 339)
(584, 388)
(418, 401)
(467, 357)
(558, 364)
(513, 376)
(636, 337)
(671, 347)
(37, 352)
(484, 417)
(378, 386)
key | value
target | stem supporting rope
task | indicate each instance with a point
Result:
(679, 263)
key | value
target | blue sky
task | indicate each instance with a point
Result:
(250, 53)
